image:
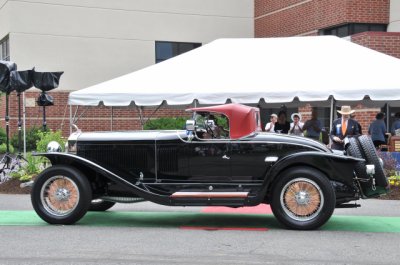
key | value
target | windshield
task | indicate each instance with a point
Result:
(212, 126)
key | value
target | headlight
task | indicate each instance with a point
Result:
(71, 147)
(72, 140)
(53, 146)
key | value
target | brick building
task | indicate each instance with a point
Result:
(141, 33)
(371, 23)
(95, 41)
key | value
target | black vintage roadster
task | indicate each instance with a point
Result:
(222, 158)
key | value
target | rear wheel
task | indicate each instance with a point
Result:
(303, 199)
(99, 205)
(61, 195)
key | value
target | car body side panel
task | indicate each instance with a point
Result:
(125, 158)
(248, 158)
(334, 167)
(126, 181)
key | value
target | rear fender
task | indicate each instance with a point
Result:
(82, 164)
(336, 167)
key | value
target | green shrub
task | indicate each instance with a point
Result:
(29, 169)
(3, 136)
(3, 148)
(166, 124)
(33, 165)
(31, 138)
(46, 137)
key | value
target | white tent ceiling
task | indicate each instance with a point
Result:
(248, 71)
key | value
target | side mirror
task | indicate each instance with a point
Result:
(190, 125)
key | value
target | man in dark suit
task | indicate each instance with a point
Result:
(343, 127)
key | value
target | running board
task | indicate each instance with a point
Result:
(188, 194)
(122, 199)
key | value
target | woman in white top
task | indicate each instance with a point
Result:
(296, 127)
(270, 127)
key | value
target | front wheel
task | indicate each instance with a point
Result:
(303, 199)
(61, 195)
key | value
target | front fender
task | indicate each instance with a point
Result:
(82, 163)
(336, 167)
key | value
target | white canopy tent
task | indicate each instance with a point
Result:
(256, 71)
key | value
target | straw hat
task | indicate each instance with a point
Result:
(346, 110)
(295, 114)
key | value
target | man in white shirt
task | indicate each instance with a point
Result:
(270, 127)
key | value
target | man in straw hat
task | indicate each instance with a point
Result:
(343, 127)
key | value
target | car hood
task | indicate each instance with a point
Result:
(130, 135)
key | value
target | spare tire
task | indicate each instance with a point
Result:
(371, 157)
(353, 149)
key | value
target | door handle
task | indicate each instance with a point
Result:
(226, 157)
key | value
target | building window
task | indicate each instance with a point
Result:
(351, 29)
(5, 49)
(166, 50)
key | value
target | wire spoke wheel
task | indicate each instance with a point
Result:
(302, 199)
(60, 195)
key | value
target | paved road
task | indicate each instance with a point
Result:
(86, 244)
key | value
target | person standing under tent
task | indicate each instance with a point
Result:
(313, 126)
(296, 127)
(270, 127)
(396, 124)
(342, 128)
(377, 130)
(282, 126)
(353, 117)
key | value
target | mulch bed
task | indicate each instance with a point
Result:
(394, 194)
(12, 187)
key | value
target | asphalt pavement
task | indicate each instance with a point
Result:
(156, 239)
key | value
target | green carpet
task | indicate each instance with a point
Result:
(193, 219)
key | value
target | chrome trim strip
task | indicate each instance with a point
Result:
(271, 159)
(189, 194)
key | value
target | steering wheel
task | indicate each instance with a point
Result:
(209, 129)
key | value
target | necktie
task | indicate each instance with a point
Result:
(344, 127)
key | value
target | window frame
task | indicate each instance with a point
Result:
(5, 49)
(177, 50)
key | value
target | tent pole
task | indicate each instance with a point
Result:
(70, 119)
(24, 120)
(140, 116)
(331, 116)
(112, 117)
(387, 118)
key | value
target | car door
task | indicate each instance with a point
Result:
(248, 161)
(209, 160)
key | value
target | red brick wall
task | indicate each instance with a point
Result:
(365, 116)
(91, 118)
(385, 42)
(271, 20)
(125, 118)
